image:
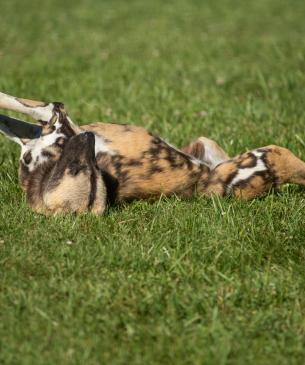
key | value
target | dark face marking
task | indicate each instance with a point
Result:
(48, 154)
(27, 157)
(65, 128)
(60, 141)
(47, 129)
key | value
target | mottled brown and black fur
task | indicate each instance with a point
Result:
(66, 168)
(144, 165)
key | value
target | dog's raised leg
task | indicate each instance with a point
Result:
(254, 173)
(45, 113)
(38, 110)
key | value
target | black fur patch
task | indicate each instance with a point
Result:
(48, 154)
(27, 157)
(112, 185)
(154, 169)
(65, 126)
(93, 189)
(75, 167)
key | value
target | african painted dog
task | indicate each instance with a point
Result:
(67, 168)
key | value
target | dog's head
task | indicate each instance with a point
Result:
(41, 143)
(57, 164)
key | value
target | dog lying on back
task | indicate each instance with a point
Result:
(67, 168)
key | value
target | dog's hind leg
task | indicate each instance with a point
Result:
(206, 150)
(254, 173)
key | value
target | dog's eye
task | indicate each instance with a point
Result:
(27, 157)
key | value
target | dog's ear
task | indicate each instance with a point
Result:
(19, 131)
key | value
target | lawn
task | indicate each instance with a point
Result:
(172, 281)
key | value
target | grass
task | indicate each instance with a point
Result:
(174, 281)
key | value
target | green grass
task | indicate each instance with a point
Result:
(173, 281)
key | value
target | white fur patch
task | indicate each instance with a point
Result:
(213, 155)
(101, 146)
(246, 173)
(39, 112)
(257, 153)
(44, 113)
(36, 146)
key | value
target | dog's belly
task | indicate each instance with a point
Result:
(143, 165)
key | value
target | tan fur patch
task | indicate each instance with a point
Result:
(287, 167)
(224, 170)
(247, 162)
(254, 187)
(99, 204)
(70, 195)
(139, 167)
(31, 103)
(215, 188)
(127, 140)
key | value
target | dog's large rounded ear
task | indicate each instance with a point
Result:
(19, 131)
